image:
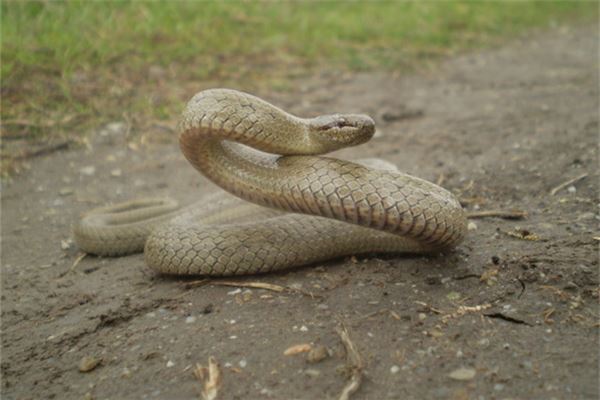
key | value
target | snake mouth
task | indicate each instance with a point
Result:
(339, 122)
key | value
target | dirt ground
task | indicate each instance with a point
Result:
(511, 314)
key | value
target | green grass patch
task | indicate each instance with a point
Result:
(64, 37)
(69, 66)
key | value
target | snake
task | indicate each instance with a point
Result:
(284, 204)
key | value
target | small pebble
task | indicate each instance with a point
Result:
(66, 191)
(471, 226)
(113, 128)
(527, 364)
(395, 369)
(435, 333)
(462, 374)
(190, 319)
(586, 216)
(89, 170)
(585, 269)
(66, 244)
(170, 364)
(316, 354)
(303, 328)
(570, 286)
(89, 363)
(572, 189)
(243, 363)
(453, 296)
(266, 392)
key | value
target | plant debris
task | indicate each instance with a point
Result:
(210, 377)
(355, 364)
(567, 183)
(297, 349)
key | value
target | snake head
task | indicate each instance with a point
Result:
(342, 130)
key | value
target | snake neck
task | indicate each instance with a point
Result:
(241, 117)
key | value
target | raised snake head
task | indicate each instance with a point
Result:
(336, 131)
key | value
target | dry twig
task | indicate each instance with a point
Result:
(210, 377)
(355, 363)
(567, 183)
(429, 307)
(44, 150)
(513, 214)
(77, 261)
(462, 310)
(522, 234)
(254, 285)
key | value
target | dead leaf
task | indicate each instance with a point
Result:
(297, 349)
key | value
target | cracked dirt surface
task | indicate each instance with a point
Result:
(501, 317)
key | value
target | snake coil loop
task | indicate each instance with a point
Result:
(352, 207)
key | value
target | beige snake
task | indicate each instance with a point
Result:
(353, 208)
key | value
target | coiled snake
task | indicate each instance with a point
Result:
(352, 208)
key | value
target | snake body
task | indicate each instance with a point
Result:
(305, 207)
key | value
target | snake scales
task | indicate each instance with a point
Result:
(353, 208)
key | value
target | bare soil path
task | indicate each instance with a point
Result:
(501, 317)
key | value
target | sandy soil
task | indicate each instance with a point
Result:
(501, 317)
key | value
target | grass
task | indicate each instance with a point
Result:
(71, 66)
